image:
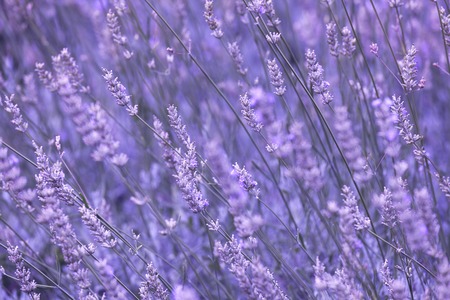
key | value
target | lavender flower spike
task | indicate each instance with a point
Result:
(186, 167)
(249, 114)
(315, 74)
(119, 92)
(22, 273)
(409, 69)
(14, 111)
(276, 77)
(211, 20)
(348, 42)
(102, 235)
(12, 181)
(152, 287)
(332, 39)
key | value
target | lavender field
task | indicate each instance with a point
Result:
(227, 149)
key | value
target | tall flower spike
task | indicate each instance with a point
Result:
(152, 287)
(409, 69)
(332, 39)
(237, 57)
(211, 20)
(245, 222)
(249, 113)
(163, 140)
(444, 184)
(246, 180)
(16, 116)
(406, 128)
(445, 19)
(276, 77)
(315, 75)
(186, 167)
(264, 283)
(51, 190)
(348, 42)
(102, 235)
(13, 182)
(230, 254)
(113, 24)
(387, 277)
(389, 212)
(22, 273)
(360, 222)
(119, 92)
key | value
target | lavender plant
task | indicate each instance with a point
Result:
(247, 149)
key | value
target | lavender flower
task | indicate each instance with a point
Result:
(113, 24)
(315, 75)
(246, 180)
(50, 190)
(445, 25)
(387, 277)
(264, 7)
(22, 273)
(152, 287)
(119, 92)
(374, 49)
(389, 212)
(406, 128)
(249, 113)
(177, 124)
(360, 222)
(237, 57)
(348, 42)
(341, 285)
(273, 37)
(186, 167)
(13, 182)
(276, 77)
(264, 283)
(16, 116)
(246, 223)
(444, 184)
(230, 254)
(211, 20)
(102, 235)
(163, 137)
(332, 39)
(96, 133)
(409, 69)
(46, 77)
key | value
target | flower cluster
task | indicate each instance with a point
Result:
(315, 75)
